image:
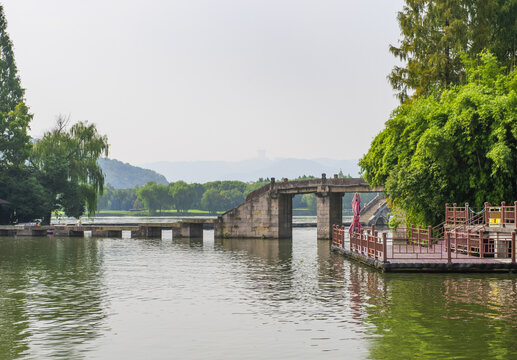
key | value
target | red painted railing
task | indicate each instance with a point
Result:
(338, 235)
(499, 215)
(414, 243)
(419, 236)
(370, 244)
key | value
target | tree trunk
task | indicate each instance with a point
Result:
(47, 218)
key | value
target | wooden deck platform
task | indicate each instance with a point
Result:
(415, 249)
(433, 263)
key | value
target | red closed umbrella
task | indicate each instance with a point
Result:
(356, 209)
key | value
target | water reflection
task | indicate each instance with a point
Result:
(442, 316)
(243, 298)
(36, 315)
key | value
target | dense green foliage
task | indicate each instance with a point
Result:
(57, 172)
(460, 146)
(124, 176)
(18, 183)
(67, 163)
(14, 116)
(154, 196)
(435, 33)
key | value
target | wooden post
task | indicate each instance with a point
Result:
(515, 214)
(456, 243)
(385, 247)
(467, 213)
(481, 245)
(503, 212)
(446, 212)
(429, 236)
(418, 235)
(448, 244)
(487, 218)
(513, 247)
(468, 242)
(368, 243)
(374, 238)
(454, 213)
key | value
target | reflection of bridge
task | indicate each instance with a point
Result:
(267, 212)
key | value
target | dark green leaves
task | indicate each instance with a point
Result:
(460, 146)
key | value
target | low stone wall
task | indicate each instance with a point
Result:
(262, 216)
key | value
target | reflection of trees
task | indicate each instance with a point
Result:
(430, 316)
(50, 296)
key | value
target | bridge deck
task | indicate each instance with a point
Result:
(184, 228)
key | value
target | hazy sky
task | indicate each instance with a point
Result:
(210, 80)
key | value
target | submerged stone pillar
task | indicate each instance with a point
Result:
(285, 216)
(329, 212)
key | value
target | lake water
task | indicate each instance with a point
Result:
(75, 298)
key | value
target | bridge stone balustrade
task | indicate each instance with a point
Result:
(267, 212)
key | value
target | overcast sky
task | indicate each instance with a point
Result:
(210, 80)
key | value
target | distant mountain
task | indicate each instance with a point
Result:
(124, 176)
(252, 169)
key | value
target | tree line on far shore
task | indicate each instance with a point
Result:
(212, 197)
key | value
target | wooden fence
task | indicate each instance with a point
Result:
(495, 215)
(417, 244)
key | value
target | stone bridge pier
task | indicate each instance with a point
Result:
(329, 211)
(268, 211)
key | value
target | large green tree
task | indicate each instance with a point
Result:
(66, 159)
(183, 195)
(154, 196)
(18, 184)
(458, 147)
(14, 114)
(436, 32)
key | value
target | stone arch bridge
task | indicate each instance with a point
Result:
(267, 212)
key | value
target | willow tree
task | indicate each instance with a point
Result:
(67, 162)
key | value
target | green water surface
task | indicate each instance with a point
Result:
(84, 298)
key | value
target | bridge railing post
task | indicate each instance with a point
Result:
(385, 247)
(515, 214)
(448, 244)
(368, 243)
(513, 247)
(481, 244)
(503, 213)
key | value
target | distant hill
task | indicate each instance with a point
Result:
(124, 176)
(252, 169)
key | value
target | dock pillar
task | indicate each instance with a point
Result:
(191, 230)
